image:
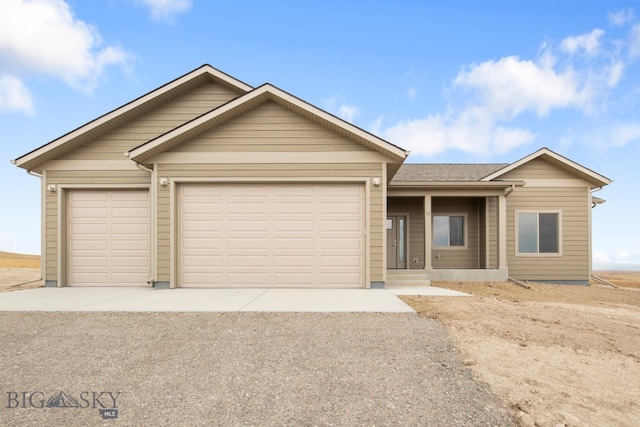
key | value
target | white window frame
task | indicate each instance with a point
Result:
(537, 254)
(465, 228)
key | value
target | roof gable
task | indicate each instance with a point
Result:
(249, 101)
(556, 159)
(126, 113)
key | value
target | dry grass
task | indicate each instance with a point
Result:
(627, 279)
(11, 260)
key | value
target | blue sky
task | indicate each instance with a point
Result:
(462, 81)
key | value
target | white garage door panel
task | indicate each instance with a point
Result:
(271, 235)
(108, 238)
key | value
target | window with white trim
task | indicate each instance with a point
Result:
(449, 231)
(538, 232)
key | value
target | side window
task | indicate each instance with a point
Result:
(538, 232)
(449, 231)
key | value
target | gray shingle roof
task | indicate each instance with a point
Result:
(446, 172)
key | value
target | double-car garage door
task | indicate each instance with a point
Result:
(228, 235)
(271, 235)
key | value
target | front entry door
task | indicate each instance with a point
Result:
(397, 241)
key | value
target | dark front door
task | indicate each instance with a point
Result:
(396, 241)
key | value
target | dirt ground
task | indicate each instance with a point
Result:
(556, 354)
(12, 279)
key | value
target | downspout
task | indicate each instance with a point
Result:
(509, 191)
(42, 222)
(152, 225)
(506, 194)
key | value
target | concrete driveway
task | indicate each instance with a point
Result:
(210, 300)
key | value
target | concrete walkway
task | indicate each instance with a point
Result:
(211, 300)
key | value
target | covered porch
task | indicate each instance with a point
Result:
(456, 233)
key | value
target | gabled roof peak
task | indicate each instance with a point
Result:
(557, 159)
(265, 92)
(76, 137)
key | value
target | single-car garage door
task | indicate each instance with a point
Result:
(108, 238)
(277, 235)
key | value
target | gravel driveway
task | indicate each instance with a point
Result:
(296, 369)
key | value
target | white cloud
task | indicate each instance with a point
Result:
(615, 70)
(337, 106)
(625, 133)
(510, 86)
(14, 95)
(601, 258)
(166, 10)
(43, 37)
(634, 42)
(376, 126)
(564, 143)
(7, 242)
(471, 131)
(485, 99)
(348, 112)
(589, 43)
(621, 17)
(622, 256)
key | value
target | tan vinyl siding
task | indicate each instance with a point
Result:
(154, 123)
(269, 127)
(84, 178)
(458, 258)
(573, 264)
(538, 169)
(262, 173)
(414, 207)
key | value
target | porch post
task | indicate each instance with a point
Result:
(427, 232)
(502, 232)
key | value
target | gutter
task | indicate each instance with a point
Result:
(597, 201)
(459, 184)
(143, 168)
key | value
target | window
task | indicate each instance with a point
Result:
(448, 231)
(538, 232)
